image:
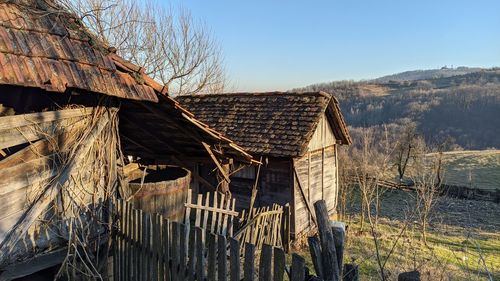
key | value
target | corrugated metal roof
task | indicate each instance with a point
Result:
(53, 51)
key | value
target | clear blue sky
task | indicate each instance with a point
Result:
(278, 45)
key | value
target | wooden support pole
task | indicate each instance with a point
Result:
(338, 230)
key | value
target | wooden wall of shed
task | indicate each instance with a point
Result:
(274, 185)
(317, 173)
(323, 135)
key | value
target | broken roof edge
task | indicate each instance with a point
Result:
(188, 116)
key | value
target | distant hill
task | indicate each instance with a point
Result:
(427, 74)
(462, 108)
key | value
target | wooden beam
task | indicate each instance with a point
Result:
(173, 157)
(15, 121)
(28, 267)
(306, 200)
(222, 170)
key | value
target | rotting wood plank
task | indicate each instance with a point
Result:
(265, 263)
(33, 265)
(51, 192)
(200, 257)
(249, 263)
(212, 256)
(212, 209)
(221, 258)
(306, 200)
(297, 269)
(234, 259)
(279, 264)
(15, 121)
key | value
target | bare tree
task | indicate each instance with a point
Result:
(168, 44)
(370, 165)
(428, 179)
(405, 147)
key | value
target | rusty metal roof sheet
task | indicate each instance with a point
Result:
(53, 51)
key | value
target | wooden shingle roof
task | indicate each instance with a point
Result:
(276, 124)
(43, 46)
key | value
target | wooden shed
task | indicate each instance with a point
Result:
(71, 110)
(295, 134)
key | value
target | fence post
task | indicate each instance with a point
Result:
(249, 264)
(338, 230)
(285, 228)
(279, 264)
(331, 270)
(409, 276)
(351, 272)
(315, 250)
(297, 271)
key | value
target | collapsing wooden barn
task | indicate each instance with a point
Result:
(70, 111)
(296, 135)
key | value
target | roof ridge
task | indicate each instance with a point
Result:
(270, 93)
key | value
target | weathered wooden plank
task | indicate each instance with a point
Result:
(15, 121)
(230, 225)
(279, 264)
(191, 268)
(218, 228)
(249, 263)
(136, 244)
(176, 248)
(221, 258)
(115, 238)
(200, 257)
(166, 250)
(206, 213)
(184, 247)
(224, 220)
(37, 263)
(28, 134)
(234, 259)
(218, 210)
(187, 216)
(156, 246)
(265, 267)
(51, 192)
(212, 256)
(338, 230)
(315, 251)
(214, 215)
(297, 271)
(198, 211)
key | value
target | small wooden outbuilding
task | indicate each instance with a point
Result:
(296, 136)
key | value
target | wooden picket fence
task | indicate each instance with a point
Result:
(149, 247)
(211, 211)
(265, 225)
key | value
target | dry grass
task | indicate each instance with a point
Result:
(477, 169)
(463, 240)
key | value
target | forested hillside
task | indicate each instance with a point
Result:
(464, 109)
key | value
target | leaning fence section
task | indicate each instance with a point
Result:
(265, 225)
(149, 247)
